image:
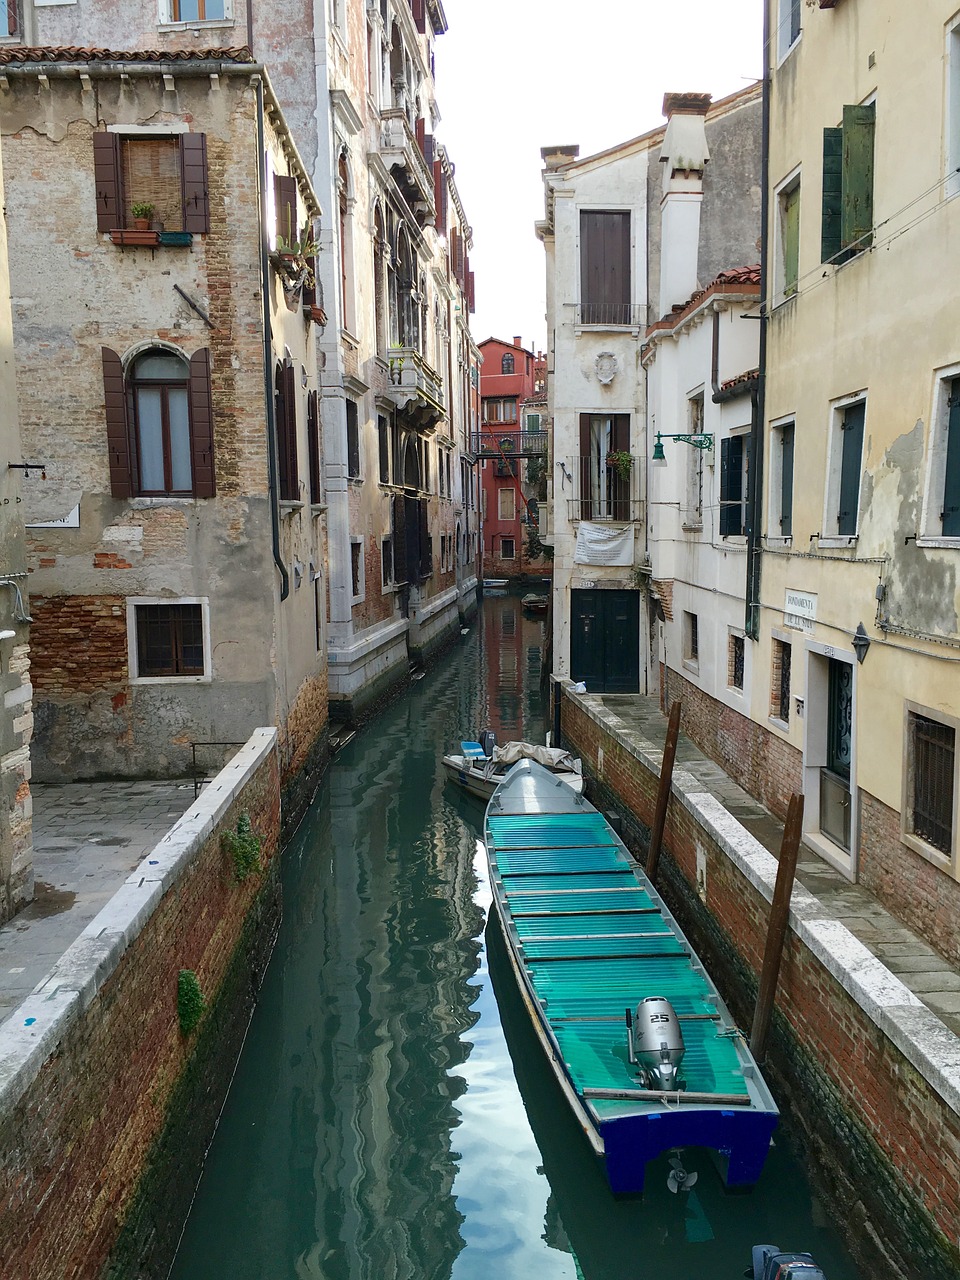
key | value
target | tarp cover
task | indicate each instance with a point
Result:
(550, 757)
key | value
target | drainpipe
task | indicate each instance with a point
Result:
(267, 347)
(758, 398)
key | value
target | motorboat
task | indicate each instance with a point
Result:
(480, 767)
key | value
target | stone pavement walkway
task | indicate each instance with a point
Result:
(918, 966)
(87, 838)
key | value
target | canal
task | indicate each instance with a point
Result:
(391, 1117)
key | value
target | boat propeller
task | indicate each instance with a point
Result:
(678, 1179)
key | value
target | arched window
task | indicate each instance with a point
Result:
(405, 286)
(159, 417)
(344, 204)
(379, 272)
(507, 364)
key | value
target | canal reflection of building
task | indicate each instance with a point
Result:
(399, 930)
(703, 1232)
(512, 643)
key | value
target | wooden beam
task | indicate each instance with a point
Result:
(663, 792)
(777, 927)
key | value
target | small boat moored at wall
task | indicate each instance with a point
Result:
(480, 767)
(642, 1046)
(534, 603)
(771, 1263)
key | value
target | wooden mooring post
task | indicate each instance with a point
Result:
(777, 927)
(663, 792)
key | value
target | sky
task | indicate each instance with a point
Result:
(516, 75)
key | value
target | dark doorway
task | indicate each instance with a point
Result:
(605, 640)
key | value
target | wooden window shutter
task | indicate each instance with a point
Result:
(201, 425)
(605, 267)
(427, 149)
(621, 432)
(420, 130)
(786, 480)
(790, 234)
(856, 216)
(419, 8)
(851, 455)
(313, 445)
(426, 550)
(471, 293)
(832, 194)
(586, 488)
(285, 192)
(454, 239)
(731, 486)
(289, 475)
(194, 184)
(108, 179)
(950, 515)
(118, 431)
(383, 440)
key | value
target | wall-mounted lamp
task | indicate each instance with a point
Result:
(700, 440)
(27, 467)
(861, 642)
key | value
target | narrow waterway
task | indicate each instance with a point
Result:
(392, 1117)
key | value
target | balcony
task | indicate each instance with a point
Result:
(491, 443)
(415, 388)
(610, 315)
(604, 493)
(400, 150)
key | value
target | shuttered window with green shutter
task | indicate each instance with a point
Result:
(851, 455)
(847, 210)
(950, 513)
(786, 480)
(790, 238)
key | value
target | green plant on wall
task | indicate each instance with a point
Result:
(620, 461)
(243, 846)
(535, 547)
(190, 1000)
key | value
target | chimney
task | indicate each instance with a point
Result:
(518, 342)
(683, 155)
(557, 157)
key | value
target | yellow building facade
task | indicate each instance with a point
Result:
(855, 607)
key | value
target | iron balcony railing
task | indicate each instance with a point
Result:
(610, 315)
(601, 491)
(491, 443)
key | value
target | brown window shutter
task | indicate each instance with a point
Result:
(440, 197)
(454, 237)
(193, 182)
(427, 149)
(620, 436)
(471, 293)
(419, 8)
(586, 506)
(201, 425)
(313, 441)
(290, 443)
(118, 433)
(107, 174)
(420, 129)
(285, 191)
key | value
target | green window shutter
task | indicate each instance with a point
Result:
(850, 461)
(731, 486)
(786, 480)
(832, 193)
(856, 216)
(950, 515)
(790, 233)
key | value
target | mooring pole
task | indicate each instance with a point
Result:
(663, 791)
(777, 928)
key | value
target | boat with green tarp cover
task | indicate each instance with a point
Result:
(638, 1037)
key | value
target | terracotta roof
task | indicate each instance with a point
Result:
(742, 379)
(18, 54)
(740, 275)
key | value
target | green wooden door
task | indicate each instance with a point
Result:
(605, 640)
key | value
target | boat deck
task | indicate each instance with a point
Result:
(596, 939)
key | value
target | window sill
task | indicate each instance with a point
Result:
(317, 508)
(936, 857)
(845, 543)
(205, 24)
(778, 542)
(204, 679)
(692, 528)
(290, 507)
(777, 723)
(734, 539)
(691, 664)
(945, 544)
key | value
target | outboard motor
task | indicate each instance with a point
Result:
(488, 740)
(656, 1043)
(771, 1263)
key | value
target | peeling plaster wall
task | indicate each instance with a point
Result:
(74, 292)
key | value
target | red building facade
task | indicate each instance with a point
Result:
(512, 457)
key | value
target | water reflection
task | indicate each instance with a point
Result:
(375, 1129)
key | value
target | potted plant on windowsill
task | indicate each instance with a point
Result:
(141, 213)
(621, 462)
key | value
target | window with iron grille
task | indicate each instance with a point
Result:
(735, 662)
(169, 640)
(931, 770)
(507, 548)
(780, 681)
(691, 637)
(386, 561)
(356, 568)
(506, 364)
(353, 440)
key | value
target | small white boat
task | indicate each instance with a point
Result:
(480, 772)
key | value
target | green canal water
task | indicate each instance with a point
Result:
(392, 1116)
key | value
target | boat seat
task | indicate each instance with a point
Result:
(472, 751)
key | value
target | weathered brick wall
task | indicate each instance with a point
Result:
(16, 826)
(100, 1155)
(304, 747)
(78, 645)
(886, 1144)
(763, 764)
(925, 898)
